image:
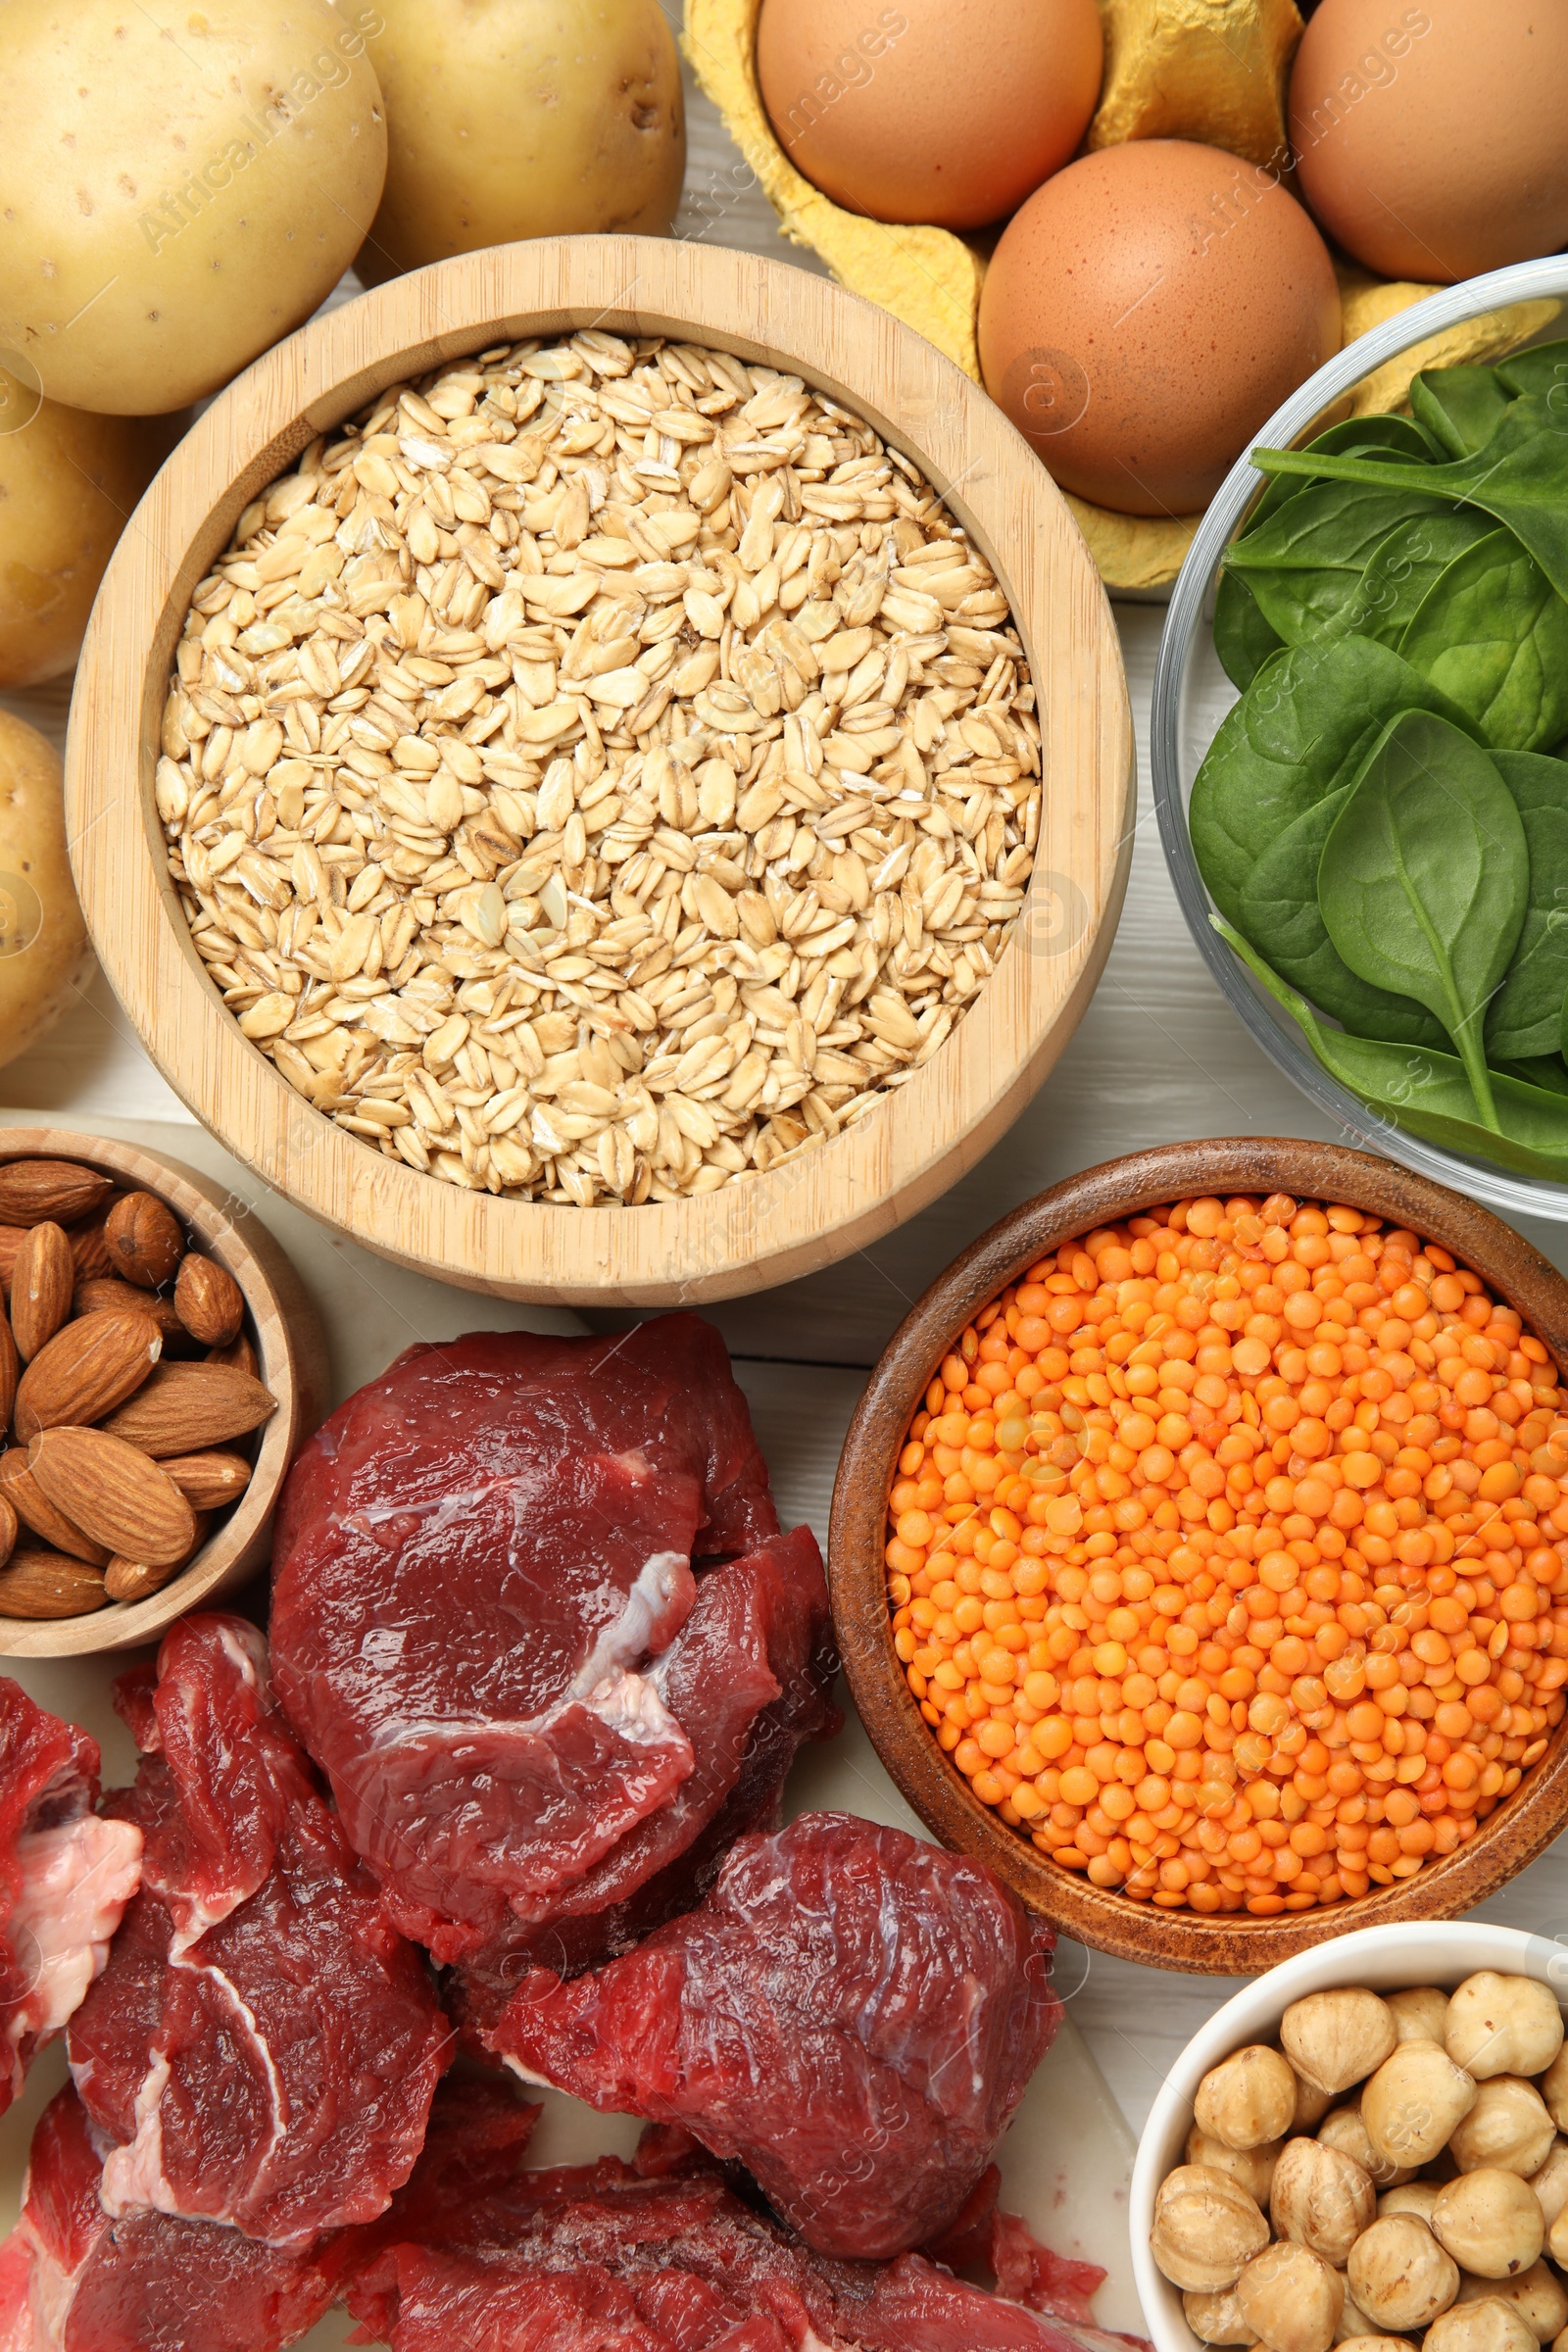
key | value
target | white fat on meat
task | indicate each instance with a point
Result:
(133, 2174)
(76, 1880)
(632, 1705)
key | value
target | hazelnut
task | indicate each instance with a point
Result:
(1489, 2222)
(1312, 2105)
(1206, 2228)
(1411, 2196)
(1292, 2298)
(1399, 2274)
(1557, 2239)
(1253, 2167)
(1353, 2321)
(1373, 2343)
(1537, 2295)
(1488, 2326)
(1217, 2317)
(1507, 2126)
(1247, 2099)
(1503, 2026)
(1549, 2185)
(1336, 2038)
(1413, 2102)
(1554, 2088)
(1345, 2129)
(1419, 2014)
(1321, 2198)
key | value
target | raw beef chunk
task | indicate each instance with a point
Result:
(66, 1876)
(73, 2279)
(494, 1628)
(603, 2260)
(263, 2046)
(852, 2013)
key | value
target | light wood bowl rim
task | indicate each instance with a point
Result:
(291, 1360)
(1220, 1945)
(923, 1134)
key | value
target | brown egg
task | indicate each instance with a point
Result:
(940, 111)
(1432, 141)
(1147, 312)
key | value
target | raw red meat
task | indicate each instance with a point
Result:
(72, 2280)
(603, 2260)
(262, 2048)
(852, 2013)
(66, 1876)
(487, 1630)
(981, 2238)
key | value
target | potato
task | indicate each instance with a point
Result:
(510, 119)
(43, 941)
(67, 483)
(174, 203)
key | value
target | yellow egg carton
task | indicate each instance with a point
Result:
(1212, 71)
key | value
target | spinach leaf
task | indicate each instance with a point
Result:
(1281, 916)
(1548, 1071)
(1398, 439)
(1243, 638)
(1304, 563)
(1405, 565)
(1536, 372)
(1301, 729)
(1427, 1093)
(1521, 477)
(1493, 632)
(1459, 407)
(1524, 1022)
(1425, 878)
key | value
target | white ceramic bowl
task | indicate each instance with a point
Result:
(1425, 1952)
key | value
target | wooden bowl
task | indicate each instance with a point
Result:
(1515, 1833)
(291, 1357)
(923, 1134)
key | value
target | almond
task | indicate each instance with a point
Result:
(87, 1245)
(186, 1408)
(125, 1579)
(239, 1354)
(12, 1238)
(115, 1494)
(45, 1583)
(106, 1294)
(86, 1370)
(32, 1191)
(41, 1282)
(144, 1239)
(10, 1373)
(8, 1524)
(34, 1510)
(208, 1300)
(209, 1481)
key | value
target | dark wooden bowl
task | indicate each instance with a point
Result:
(1515, 1833)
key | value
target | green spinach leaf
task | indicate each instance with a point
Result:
(1405, 565)
(1398, 439)
(1243, 638)
(1546, 1071)
(1493, 633)
(1425, 878)
(1280, 914)
(1525, 1020)
(1459, 407)
(1521, 477)
(1536, 373)
(1301, 729)
(1428, 1092)
(1304, 563)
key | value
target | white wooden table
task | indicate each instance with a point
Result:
(1158, 1057)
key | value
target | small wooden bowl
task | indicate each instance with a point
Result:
(1514, 1835)
(291, 1356)
(923, 1134)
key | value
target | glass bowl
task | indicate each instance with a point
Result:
(1192, 694)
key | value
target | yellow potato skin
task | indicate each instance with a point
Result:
(44, 951)
(179, 187)
(510, 119)
(69, 481)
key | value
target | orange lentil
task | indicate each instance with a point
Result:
(1228, 1554)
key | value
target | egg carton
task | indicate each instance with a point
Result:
(1212, 71)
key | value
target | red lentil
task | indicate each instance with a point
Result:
(1228, 1554)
